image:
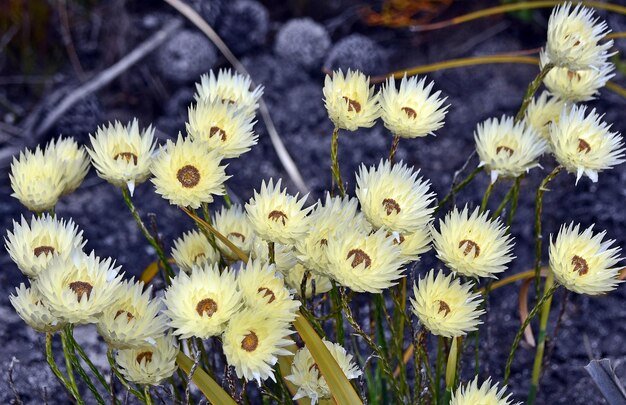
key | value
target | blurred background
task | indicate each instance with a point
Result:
(123, 59)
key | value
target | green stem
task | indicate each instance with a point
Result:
(71, 348)
(69, 364)
(458, 187)
(146, 395)
(483, 204)
(227, 200)
(271, 249)
(438, 369)
(538, 238)
(520, 332)
(531, 90)
(87, 361)
(334, 146)
(120, 377)
(336, 308)
(504, 202)
(55, 368)
(169, 272)
(514, 201)
(394, 148)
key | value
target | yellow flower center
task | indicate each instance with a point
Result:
(580, 265)
(206, 306)
(358, 257)
(144, 356)
(250, 342)
(469, 246)
(127, 156)
(353, 105)
(217, 131)
(188, 176)
(278, 216)
(267, 293)
(443, 307)
(391, 206)
(409, 112)
(45, 250)
(81, 288)
(583, 146)
(509, 151)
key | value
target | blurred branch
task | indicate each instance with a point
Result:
(106, 76)
(603, 375)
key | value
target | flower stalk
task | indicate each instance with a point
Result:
(532, 89)
(334, 145)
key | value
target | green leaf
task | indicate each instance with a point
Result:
(211, 390)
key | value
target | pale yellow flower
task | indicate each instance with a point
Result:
(29, 305)
(284, 255)
(579, 85)
(350, 101)
(73, 158)
(151, 363)
(233, 223)
(194, 249)
(294, 276)
(229, 87)
(583, 262)
(543, 111)
(486, 394)
(412, 244)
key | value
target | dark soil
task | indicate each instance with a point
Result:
(592, 328)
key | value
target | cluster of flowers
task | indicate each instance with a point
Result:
(361, 243)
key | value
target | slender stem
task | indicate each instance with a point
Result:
(146, 395)
(120, 377)
(207, 217)
(227, 200)
(271, 249)
(514, 201)
(334, 145)
(530, 91)
(394, 148)
(438, 369)
(69, 363)
(72, 345)
(86, 359)
(55, 368)
(504, 202)
(538, 238)
(520, 332)
(483, 204)
(169, 272)
(458, 188)
(336, 308)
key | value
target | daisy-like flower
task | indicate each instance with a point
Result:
(350, 101)
(231, 88)
(413, 244)
(222, 127)
(365, 263)
(583, 262)
(542, 112)
(151, 363)
(412, 111)
(186, 174)
(73, 159)
(305, 374)
(194, 249)
(445, 306)
(200, 304)
(253, 343)
(394, 197)
(122, 154)
(472, 244)
(294, 277)
(276, 216)
(486, 394)
(37, 180)
(326, 220)
(32, 246)
(29, 306)
(574, 36)
(234, 224)
(579, 85)
(78, 289)
(132, 319)
(584, 144)
(507, 149)
(265, 293)
(284, 256)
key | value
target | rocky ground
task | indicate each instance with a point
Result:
(591, 327)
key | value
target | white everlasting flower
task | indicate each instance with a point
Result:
(412, 111)
(305, 374)
(507, 149)
(542, 112)
(231, 88)
(574, 37)
(29, 305)
(222, 127)
(294, 277)
(350, 101)
(151, 363)
(486, 394)
(132, 319)
(284, 255)
(122, 155)
(73, 158)
(583, 262)
(276, 216)
(394, 197)
(445, 306)
(32, 246)
(200, 304)
(78, 289)
(412, 244)
(472, 244)
(194, 249)
(234, 224)
(37, 180)
(584, 144)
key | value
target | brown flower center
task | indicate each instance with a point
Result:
(571, 75)
(583, 146)
(353, 105)
(206, 306)
(144, 356)
(508, 150)
(358, 257)
(188, 176)
(444, 307)
(409, 112)
(219, 132)
(278, 216)
(470, 246)
(129, 315)
(127, 156)
(81, 288)
(398, 239)
(250, 342)
(324, 242)
(580, 265)
(391, 205)
(45, 250)
(267, 293)
(228, 101)
(199, 257)
(315, 366)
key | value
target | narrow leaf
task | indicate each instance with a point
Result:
(211, 390)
